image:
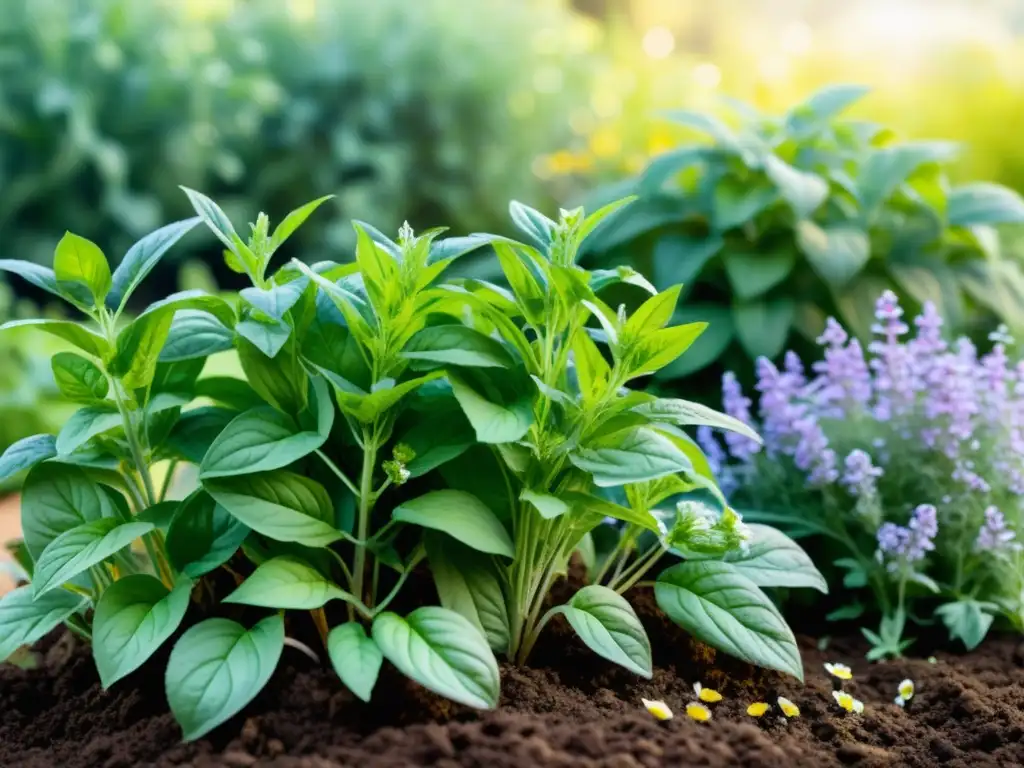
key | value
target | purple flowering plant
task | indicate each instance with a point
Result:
(903, 464)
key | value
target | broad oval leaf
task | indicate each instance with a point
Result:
(55, 499)
(286, 582)
(77, 550)
(202, 535)
(279, 504)
(460, 515)
(456, 345)
(85, 424)
(77, 260)
(610, 628)
(25, 619)
(984, 203)
(25, 454)
(355, 657)
(142, 257)
(763, 325)
(630, 456)
(275, 302)
(133, 618)
(803, 190)
(547, 505)
(194, 432)
(471, 584)
(725, 609)
(442, 651)
(837, 253)
(753, 274)
(256, 441)
(217, 667)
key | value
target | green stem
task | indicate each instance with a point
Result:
(401, 580)
(639, 569)
(344, 566)
(337, 471)
(365, 508)
(166, 486)
(619, 545)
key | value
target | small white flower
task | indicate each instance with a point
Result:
(659, 709)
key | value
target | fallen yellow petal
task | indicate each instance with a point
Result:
(698, 712)
(906, 689)
(844, 700)
(709, 695)
(789, 709)
(840, 671)
(659, 709)
(758, 708)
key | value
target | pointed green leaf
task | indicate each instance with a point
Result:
(217, 667)
(202, 535)
(195, 333)
(77, 550)
(610, 628)
(78, 260)
(55, 499)
(25, 454)
(25, 619)
(133, 618)
(772, 559)
(142, 258)
(684, 413)
(803, 190)
(456, 345)
(294, 220)
(493, 422)
(77, 378)
(85, 424)
(256, 441)
(355, 657)
(547, 505)
(442, 651)
(462, 516)
(725, 609)
(78, 335)
(279, 504)
(630, 456)
(287, 582)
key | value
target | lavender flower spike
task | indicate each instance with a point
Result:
(859, 474)
(738, 406)
(994, 536)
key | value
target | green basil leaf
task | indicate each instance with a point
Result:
(460, 515)
(213, 217)
(77, 378)
(25, 618)
(547, 505)
(78, 335)
(775, 560)
(82, 547)
(194, 432)
(493, 422)
(355, 657)
(438, 436)
(609, 626)
(725, 609)
(279, 504)
(442, 651)
(268, 336)
(684, 413)
(78, 260)
(984, 203)
(258, 440)
(55, 499)
(85, 424)
(217, 667)
(630, 456)
(202, 535)
(471, 584)
(138, 348)
(598, 509)
(657, 350)
(275, 302)
(133, 618)
(367, 407)
(25, 454)
(194, 334)
(141, 258)
(40, 276)
(282, 382)
(533, 223)
(455, 345)
(294, 220)
(287, 582)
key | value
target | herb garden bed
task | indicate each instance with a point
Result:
(568, 708)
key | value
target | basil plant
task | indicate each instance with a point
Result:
(385, 422)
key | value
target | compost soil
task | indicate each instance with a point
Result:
(569, 708)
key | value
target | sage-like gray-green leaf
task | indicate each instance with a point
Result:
(355, 657)
(723, 608)
(217, 667)
(25, 618)
(133, 618)
(442, 651)
(82, 547)
(610, 628)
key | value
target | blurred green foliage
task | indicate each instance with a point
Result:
(780, 221)
(428, 110)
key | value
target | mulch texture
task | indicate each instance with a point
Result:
(569, 708)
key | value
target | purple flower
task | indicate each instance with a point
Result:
(780, 408)
(812, 453)
(994, 536)
(738, 406)
(859, 474)
(893, 363)
(910, 544)
(892, 539)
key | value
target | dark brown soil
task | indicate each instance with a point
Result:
(569, 709)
